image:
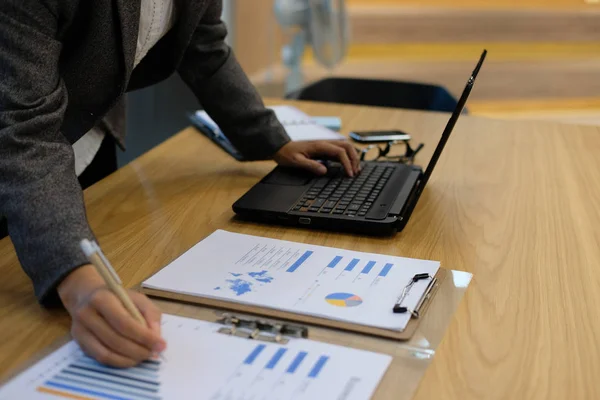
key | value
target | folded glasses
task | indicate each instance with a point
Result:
(375, 152)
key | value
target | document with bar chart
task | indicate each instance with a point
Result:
(344, 285)
(201, 363)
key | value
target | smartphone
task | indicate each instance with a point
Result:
(378, 136)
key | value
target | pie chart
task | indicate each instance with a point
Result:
(343, 300)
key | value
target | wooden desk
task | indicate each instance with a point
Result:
(515, 203)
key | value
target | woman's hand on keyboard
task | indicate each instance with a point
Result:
(305, 154)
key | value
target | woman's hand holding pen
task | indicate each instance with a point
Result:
(101, 324)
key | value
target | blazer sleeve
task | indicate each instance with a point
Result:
(211, 70)
(39, 192)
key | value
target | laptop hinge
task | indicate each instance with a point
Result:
(403, 195)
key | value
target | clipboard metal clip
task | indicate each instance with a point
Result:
(260, 329)
(416, 313)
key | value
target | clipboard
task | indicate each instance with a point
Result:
(404, 335)
(411, 358)
(279, 350)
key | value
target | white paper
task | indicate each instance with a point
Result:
(201, 363)
(343, 285)
(298, 125)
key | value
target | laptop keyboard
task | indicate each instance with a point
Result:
(339, 194)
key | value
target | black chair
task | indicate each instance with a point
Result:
(381, 93)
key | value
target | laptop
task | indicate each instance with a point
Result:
(378, 201)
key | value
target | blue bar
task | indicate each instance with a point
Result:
(296, 363)
(352, 264)
(314, 372)
(88, 363)
(122, 374)
(84, 391)
(368, 267)
(250, 359)
(300, 261)
(386, 269)
(335, 262)
(275, 359)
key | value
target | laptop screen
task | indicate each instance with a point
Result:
(450, 125)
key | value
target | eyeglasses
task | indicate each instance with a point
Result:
(376, 151)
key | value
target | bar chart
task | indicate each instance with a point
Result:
(270, 371)
(85, 378)
(276, 354)
(365, 270)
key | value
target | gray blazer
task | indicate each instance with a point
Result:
(64, 64)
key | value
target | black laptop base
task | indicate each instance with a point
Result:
(372, 203)
(369, 228)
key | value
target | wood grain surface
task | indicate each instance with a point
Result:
(515, 203)
(448, 25)
(484, 4)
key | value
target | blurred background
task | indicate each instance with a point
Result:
(543, 62)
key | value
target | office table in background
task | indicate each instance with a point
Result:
(515, 203)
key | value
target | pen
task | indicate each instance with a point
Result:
(107, 272)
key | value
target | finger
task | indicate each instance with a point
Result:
(151, 313)
(110, 307)
(111, 339)
(301, 161)
(333, 151)
(352, 154)
(95, 349)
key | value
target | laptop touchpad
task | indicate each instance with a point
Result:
(288, 177)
